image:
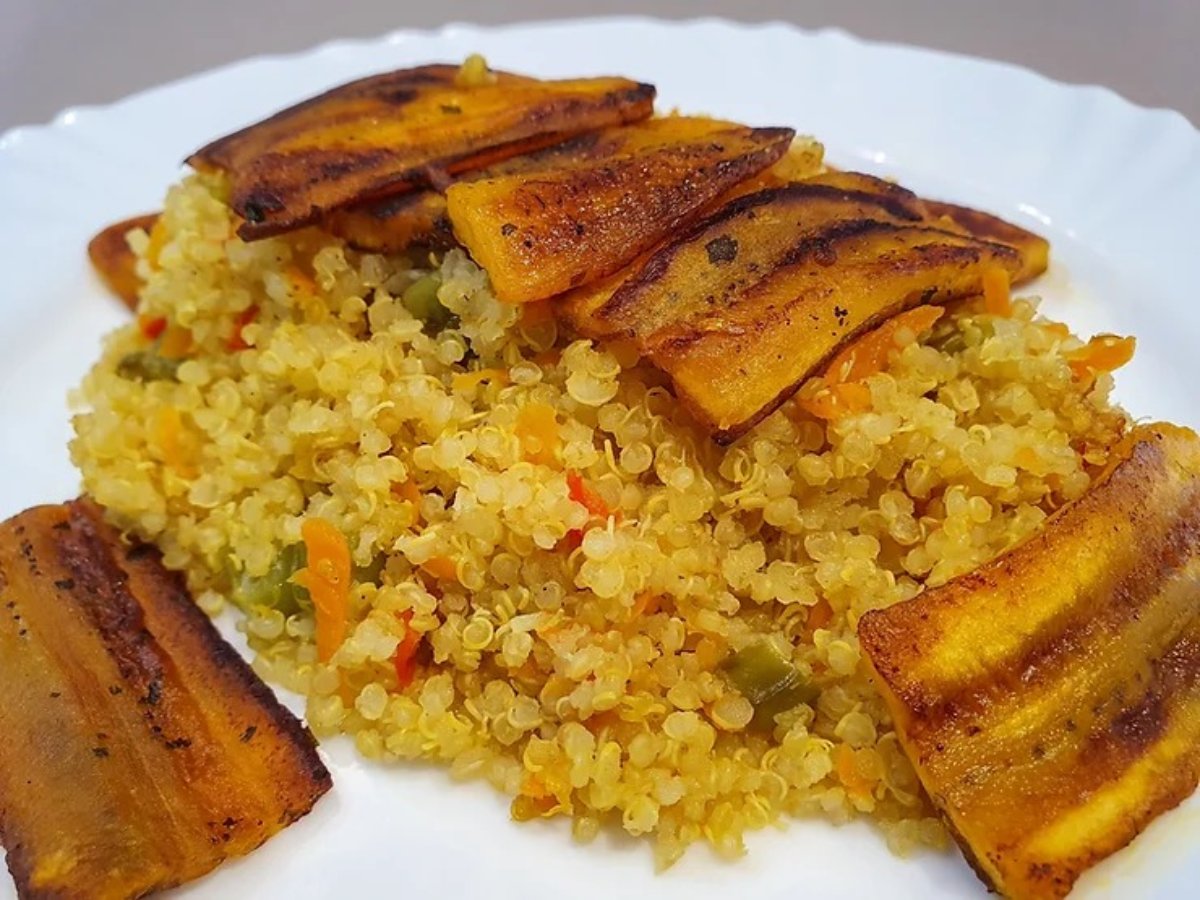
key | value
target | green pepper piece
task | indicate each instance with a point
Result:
(145, 365)
(767, 678)
(421, 299)
(274, 589)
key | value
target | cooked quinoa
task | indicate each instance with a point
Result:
(574, 650)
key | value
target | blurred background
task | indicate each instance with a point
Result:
(57, 53)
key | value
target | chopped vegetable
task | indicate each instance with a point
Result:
(467, 381)
(997, 292)
(537, 430)
(586, 496)
(237, 340)
(421, 299)
(172, 438)
(274, 589)
(146, 365)
(176, 343)
(441, 567)
(845, 765)
(767, 678)
(869, 353)
(405, 658)
(1103, 353)
(327, 578)
(843, 392)
(151, 327)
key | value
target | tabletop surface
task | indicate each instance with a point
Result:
(59, 53)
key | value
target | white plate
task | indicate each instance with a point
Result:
(1115, 187)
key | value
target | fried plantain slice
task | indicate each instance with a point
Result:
(403, 129)
(140, 750)
(577, 307)
(1034, 249)
(582, 215)
(114, 260)
(1050, 700)
(755, 299)
(393, 224)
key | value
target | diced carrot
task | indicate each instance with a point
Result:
(237, 340)
(1103, 353)
(586, 496)
(151, 326)
(442, 567)
(997, 292)
(820, 614)
(405, 657)
(465, 381)
(838, 400)
(408, 490)
(171, 437)
(537, 430)
(646, 603)
(869, 354)
(158, 240)
(301, 280)
(327, 578)
(846, 767)
(176, 342)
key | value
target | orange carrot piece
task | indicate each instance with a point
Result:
(442, 567)
(646, 603)
(408, 490)
(327, 578)
(1103, 353)
(586, 496)
(838, 400)
(537, 430)
(237, 340)
(176, 342)
(846, 767)
(171, 437)
(151, 326)
(465, 381)
(869, 354)
(997, 292)
(820, 614)
(405, 658)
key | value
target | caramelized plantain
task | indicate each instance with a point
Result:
(582, 215)
(393, 224)
(114, 260)
(402, 130)
(577, 307)
(1034, 249)
(1050, 700)
(140, 750)
(755, 299)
